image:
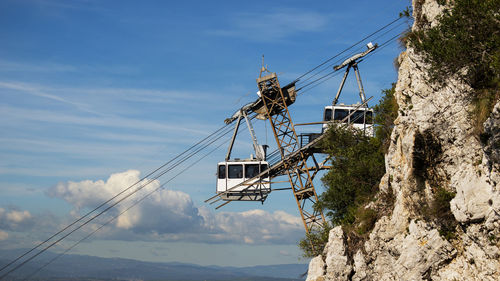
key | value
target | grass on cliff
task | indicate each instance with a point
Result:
(440, 213)
(465, 44)
(357, 165)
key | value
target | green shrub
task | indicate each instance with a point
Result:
(386, 111)
(314, 242)
(357, 164)
(365, 220)
(440, 213)
(466, 42)
(483, 103)
(427, 152)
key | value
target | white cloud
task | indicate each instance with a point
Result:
(98, 121)
(14, 216)
(39, 92)
(11, 66)
(150, 96)
(18, 216)
(274, 25)
(89, 193)
(14, 219)
(165, 211)
(3, 235)
(258, 226)
(87, 5)
(105, 98)
(284, 253)
(169, 215)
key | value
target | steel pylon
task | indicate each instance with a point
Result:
(301, 180)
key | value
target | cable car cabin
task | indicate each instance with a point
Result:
(234, 172)
(362, 118)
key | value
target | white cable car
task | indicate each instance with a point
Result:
(358, 117)
(235, 175)
(246, 179)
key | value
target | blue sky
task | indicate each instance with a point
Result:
(95, 94)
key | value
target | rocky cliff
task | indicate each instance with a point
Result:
(433, 150)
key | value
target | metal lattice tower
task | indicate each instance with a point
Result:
(301, 181)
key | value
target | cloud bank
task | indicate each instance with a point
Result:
(14, 220)
(169, 215)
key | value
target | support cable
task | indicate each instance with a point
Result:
(114, 197)
(345, 50)
(333, 74)
(121, 213)
(109, 200)
(329, 66)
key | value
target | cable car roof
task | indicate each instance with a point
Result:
(346, 106)
(243, 161)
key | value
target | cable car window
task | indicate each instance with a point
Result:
(369, 117)
(358, 117)
(340, 114)
(251, 170)
(264, 167)
(235, 171)
(222, 171)
(328, 115)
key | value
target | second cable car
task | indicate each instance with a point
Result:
(358, 117)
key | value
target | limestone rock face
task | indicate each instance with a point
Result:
(492, 146)
(316, 269)
(433, 145)
(337, 265)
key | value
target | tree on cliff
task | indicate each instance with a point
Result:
(357, 165)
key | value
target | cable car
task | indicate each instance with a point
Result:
(243, 179)
(236, 172)
(358, 117)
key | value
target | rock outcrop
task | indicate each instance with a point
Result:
(433, 146)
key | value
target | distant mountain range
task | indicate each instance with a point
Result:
(80, 268)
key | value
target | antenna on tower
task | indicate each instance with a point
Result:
(263, 67)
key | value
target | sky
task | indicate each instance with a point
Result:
(96, 94)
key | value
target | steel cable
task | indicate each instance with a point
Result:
(114, 204)
(121, 213)
(345, 50)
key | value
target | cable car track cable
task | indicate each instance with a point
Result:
(349, 55)
(114, 197)
(334, 74)
(109, 200)
(121, 213)
(114, 204)
(345, 50)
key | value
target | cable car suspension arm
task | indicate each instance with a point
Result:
(353, 62)
(260, 151)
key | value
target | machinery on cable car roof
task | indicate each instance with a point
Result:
(359, 117)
